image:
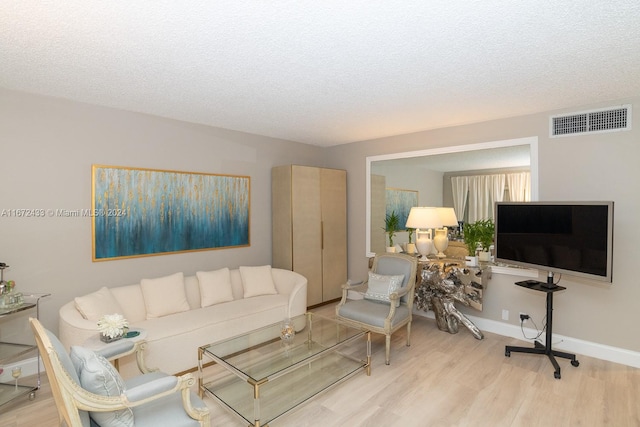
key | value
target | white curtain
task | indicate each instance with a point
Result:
(496, 191)
(519, 186)
(460, 188)
(484, 190)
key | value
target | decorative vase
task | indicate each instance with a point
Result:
(287, 331)
(471, 261)
(484, 256)
(108, 339)
(411, 248)
(441, 242)
(424, 244)
(391, 249)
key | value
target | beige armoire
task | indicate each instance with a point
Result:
(309, 214)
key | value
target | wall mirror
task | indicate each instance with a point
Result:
(425, 170)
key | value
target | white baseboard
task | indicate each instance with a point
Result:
(29, 367)
(560, 342)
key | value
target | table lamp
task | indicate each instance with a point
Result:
(441, 238)
(423, 219)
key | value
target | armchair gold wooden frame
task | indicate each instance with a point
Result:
(387, 318)
(71, 398)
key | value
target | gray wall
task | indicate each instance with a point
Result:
(593, 167)
(47, 149)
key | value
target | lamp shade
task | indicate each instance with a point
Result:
(423, 217)
(448, 217)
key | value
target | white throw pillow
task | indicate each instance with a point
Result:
(98, 376)
(215, 287)
(257, 281)
(95, 305)
(164, 295)
(381, 286)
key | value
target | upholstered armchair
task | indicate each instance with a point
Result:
(388, 298)
(88, 390)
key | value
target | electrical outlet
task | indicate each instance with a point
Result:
(505, 314)
(524, 317)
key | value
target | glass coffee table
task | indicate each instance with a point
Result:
(260, 376)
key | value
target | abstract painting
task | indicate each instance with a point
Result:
(143, 212)
(401, 202)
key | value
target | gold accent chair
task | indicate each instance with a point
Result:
(151, 399)
(382, 315)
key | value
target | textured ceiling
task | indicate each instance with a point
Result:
(324, 72)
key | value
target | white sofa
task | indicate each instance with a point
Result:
(179, 314)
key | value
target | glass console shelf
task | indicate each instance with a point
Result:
(17, 344)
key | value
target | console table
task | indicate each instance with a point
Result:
(442, 283)
(539, 348)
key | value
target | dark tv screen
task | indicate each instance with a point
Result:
(575, 238)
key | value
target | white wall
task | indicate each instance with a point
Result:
(594, 167)
(47, 147)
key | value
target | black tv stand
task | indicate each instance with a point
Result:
(549, 288)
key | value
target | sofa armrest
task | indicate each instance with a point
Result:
(295, 286)
(73, 329)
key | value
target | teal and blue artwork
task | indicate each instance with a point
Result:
(400, 202)
(142, 212)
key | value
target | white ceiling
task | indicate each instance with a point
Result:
(324, 72)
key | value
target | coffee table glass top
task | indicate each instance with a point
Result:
(264, 376)
(262, 354)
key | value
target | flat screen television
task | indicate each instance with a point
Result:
(574, 238)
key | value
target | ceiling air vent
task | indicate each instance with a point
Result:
(594, 121)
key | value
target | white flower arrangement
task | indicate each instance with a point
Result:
(112, 325)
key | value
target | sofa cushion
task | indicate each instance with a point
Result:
(164, 295)
(257, 281)
(215, 287)
(98, 376)
(95, 305)
(381, 286)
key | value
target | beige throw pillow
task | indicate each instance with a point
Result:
(381, 286)
(164, 295)
(95, 305)
(215, 287)
(257, 281)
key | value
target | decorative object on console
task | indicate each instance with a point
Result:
(478, 236)
(112, 327)
(391, 223)
(442, 285)
(411, 247)
(441, 238)
(423, 219)
(9, 298)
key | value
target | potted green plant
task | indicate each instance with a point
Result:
(391, 223)
(479, 235)
(411, 247)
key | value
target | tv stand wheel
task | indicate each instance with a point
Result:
(556, 375)
(575, 363)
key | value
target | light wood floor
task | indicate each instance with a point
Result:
(442, 380)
